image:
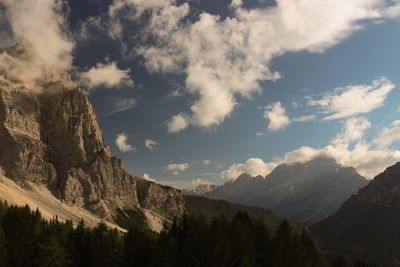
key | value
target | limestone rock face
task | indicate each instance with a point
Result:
(50, 135)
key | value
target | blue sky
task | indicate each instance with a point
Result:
(200, 80)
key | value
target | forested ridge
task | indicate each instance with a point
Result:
(26, 239)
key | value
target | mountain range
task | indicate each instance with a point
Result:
(308, 191)
(368, 224)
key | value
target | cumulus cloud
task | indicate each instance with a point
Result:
(178, 123)
(353, 130)
(206, 162)
(39, 27)
(177, 168)
(107, 75)
(151, 145)
(147, 177)
(224, 58)
(388, 135)
(276, 114)
(354, 100)
(121, 141)
(349, 148)
(197, 182)
(252, 166)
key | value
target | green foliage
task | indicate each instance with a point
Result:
(194, 241)
(211, 208)
(3, 249)
(341, 262)
(50, 253)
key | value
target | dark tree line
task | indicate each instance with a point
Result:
(26, 239)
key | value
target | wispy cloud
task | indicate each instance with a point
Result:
(177, 168)
(119, 104)
(354, 99)
(388, 135)
(151, 145)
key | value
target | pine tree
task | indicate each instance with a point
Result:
(106, 248)
(51, 254)
(3, 249)
(339, 262)
(21, 227)
(138, 248)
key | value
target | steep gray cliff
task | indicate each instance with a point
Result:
(49, 134)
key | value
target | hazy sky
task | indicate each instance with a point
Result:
(195, 91)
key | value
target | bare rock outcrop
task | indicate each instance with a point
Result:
(50, 135)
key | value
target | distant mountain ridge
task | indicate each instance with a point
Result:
(368, 224)
(308, 191)
(199, 190)
(213, 208)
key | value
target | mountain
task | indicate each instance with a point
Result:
(308, 191)
(213, 208)
(367, 224)
(199, 190)
(50, 138)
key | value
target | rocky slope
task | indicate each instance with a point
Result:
(49, 135)
(367, 224)
(307, 191)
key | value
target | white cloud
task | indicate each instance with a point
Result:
(197, 182)
(305, 118)
(252, 166)
(119, 104)
(88, 26)
(301, 154)
(354, 100)
(121, 141)
(353, 130)
(277, 117)
(39, 26)
(393, 11)
(175, 93)
(177, 168)
(388, 135)
(151, 145)
(349, 148)
(147, 177)
(223, 58)
(178, 123)
(206, 162)
(107, 75)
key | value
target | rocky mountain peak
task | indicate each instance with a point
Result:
(366, 225)
(50, 135)
(308, 191)
(384, 190)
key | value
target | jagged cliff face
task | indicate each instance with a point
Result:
(50, 135)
